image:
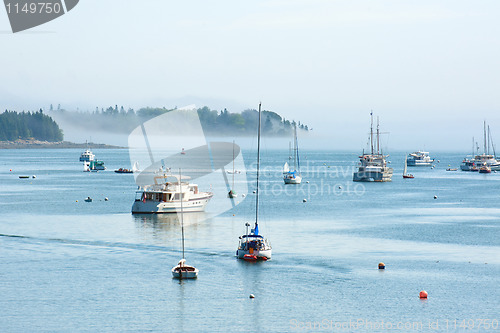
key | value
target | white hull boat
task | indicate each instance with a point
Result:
(168, 197)
(183, 271)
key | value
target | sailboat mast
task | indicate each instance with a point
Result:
(472, 147)
(371, 132)
(484, 129)
(182, 212)
(378, 137)
(258, 167)
(489, 141)
(232, 188)
(295, 147)
(492, 143)
(297, 150)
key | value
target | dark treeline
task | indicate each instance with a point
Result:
(121, 120)
(29, 125)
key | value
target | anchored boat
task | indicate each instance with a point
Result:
(167, 194)
(373, 167)
(253, 246)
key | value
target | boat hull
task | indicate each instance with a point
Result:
(258, 253)
(292, 180)
(419, 163)
(187, 272)
(155, 207)
(373, 176)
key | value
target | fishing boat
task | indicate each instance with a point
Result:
(183, 271)
(232, 194)
(406, 175)
(373, 166)
(167, 196)
(253, 246)
(94, 165)
(419, 158)
(469, 164)
(293, 177)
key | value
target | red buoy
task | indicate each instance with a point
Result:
(423, 294)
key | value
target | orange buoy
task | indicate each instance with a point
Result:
(423, 294)
(381, 265)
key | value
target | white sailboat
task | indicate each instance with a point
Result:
(253, 246)
(406, 175)
(183, 271)
(293, 177)
(232, 194)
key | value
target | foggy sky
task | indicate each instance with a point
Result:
(429, 69)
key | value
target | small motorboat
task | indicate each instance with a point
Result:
(485, 169)
(452, 169)
(122, 170)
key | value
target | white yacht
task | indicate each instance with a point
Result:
(373, 167)
(293, 177)
(165, 196)
(87, 156)
(419, 158)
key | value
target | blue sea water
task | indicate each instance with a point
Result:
(69, 265)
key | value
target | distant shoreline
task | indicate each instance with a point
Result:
(37, 144)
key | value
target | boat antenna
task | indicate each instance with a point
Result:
(371, 131)
(258, 166)
(182, 212)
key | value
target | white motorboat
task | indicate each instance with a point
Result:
(253, 246)
(373, 166)
(419, 158)
(166, 195)
(293, 177)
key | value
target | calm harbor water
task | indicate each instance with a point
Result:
(69, 265)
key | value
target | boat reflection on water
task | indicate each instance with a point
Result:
(169, 222)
